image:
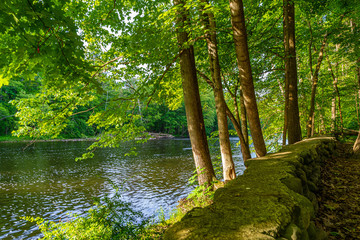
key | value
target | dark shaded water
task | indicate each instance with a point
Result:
(45, 181)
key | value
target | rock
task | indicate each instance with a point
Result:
(271, 200)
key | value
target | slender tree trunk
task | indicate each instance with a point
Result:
(358, 75)
(284, 133)
(243, 119)
(333, 115)
(236, 108)
(357, 108)
(321, 126)
(336, 94)
(292, 120)
(243, 59)
(314, 80)
(244, 147)
(356, 147)
(286, 111)
(220, 104)
(194, 116)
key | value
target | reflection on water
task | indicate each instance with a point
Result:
(45, 181)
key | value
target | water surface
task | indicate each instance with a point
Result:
(44, 180)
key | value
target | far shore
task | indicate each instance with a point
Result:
(49, 140)
(153, 136)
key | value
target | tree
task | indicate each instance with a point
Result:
(291, 115)
(242, 54)
(225, 148)
(356, 147)
(314, 81)
(195, 121)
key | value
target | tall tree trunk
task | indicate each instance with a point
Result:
(245, 150)
(286, 111)
(357, 108)
(220, 104)
(244, 147)
(194, 116)
(243, 59)
(241, 121)
(314, 80)
(336, 93)
(358, 75)
(291, 91)
(333, 115)
(321, 126)
(243, 118)
(356, 147)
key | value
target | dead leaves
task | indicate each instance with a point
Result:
(339, 196)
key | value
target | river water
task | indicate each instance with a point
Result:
(45, 181)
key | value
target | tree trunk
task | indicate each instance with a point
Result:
(314, 80)
(194, 116)
(220, 104)
(243, 59)
(356, 147)
(333, 115)
(336, 93)
(292, 121)
(243, 119)
(358, 75)
(286, 111)
(244, 147)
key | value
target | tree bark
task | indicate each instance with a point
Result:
(243, 119)
(314, 80)
(243, 59)
(336, 93)
(194, 116)
(244, 147)
(358, 75)
(356, 147)
(245, 150)
(220, 104)
(291, 116)
(333, 115)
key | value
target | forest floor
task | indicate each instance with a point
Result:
(339, 195)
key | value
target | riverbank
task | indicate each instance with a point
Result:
(9, 139)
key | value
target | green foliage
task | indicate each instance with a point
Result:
(111, 218)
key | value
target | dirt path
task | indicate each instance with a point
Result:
(339, 195)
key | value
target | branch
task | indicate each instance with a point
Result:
(6, 117)
(109, 12)
(163, 75)
(104, 65)
(208, 80)
(270, 70)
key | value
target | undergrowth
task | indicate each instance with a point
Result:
(112, 218)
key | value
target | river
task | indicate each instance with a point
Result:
(45, 181)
